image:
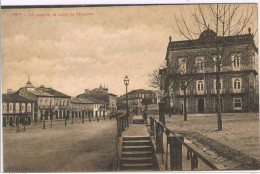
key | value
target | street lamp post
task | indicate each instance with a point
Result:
(43, 117)
(18, 122)
(126, 81)
(89, 116)
(24, 121)
(72, 115)
(65, 117)
(51, 113)
(82, 116)
(65, 114)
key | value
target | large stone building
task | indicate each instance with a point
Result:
(81, 107)
(103, 97)
(17, 110)
(238, 77)
(47, 100)
(137, 98)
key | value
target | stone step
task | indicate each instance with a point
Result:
(144, 166)
(133, 138)
(136, 160)
(136, 143)
(136, 148)
(138, 121)
(137, 154)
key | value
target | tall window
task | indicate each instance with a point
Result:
(23, 107)
(182, 65)
(236, 58)
(200, 85)
(17, 106)
(200, 63)
(237, 103)
(4, 107)
(29, 107)
(10, 106)
(237, 84)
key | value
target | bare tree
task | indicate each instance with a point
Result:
(226, 20)
(155, 80)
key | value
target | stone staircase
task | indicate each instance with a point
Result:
(136, 154)
(138, 120)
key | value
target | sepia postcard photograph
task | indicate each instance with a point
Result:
(130, 88)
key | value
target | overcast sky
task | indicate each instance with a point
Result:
(74, 53)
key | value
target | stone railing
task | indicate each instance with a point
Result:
(169, 147)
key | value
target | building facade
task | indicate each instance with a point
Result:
(81, 108)
(99, 107)
(48, 102)
(238, 76)
(103, 97)
(137, 98)
(17, 110)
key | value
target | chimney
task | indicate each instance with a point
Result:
(9, 90)
(86, 91)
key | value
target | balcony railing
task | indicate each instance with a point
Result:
(181, 92)
(192, 92)
(15, 112)
(63, 107)
(202, 92)
(248, 67)
(212, 91)
(44, 107)
(241, 90)
(221, 91)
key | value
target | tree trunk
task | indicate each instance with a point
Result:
(218, 99)
(185, 109)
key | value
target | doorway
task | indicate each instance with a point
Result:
(4, 122)
(200, 105)
(11, 121)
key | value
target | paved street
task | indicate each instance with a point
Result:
(74, 148)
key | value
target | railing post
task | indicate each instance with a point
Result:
(161, 113)
(123, 123)
(127, 120)
(175, 153)
(145, 117)
(194, 161)
(159, 138)
(151, 126)
(119, 133)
